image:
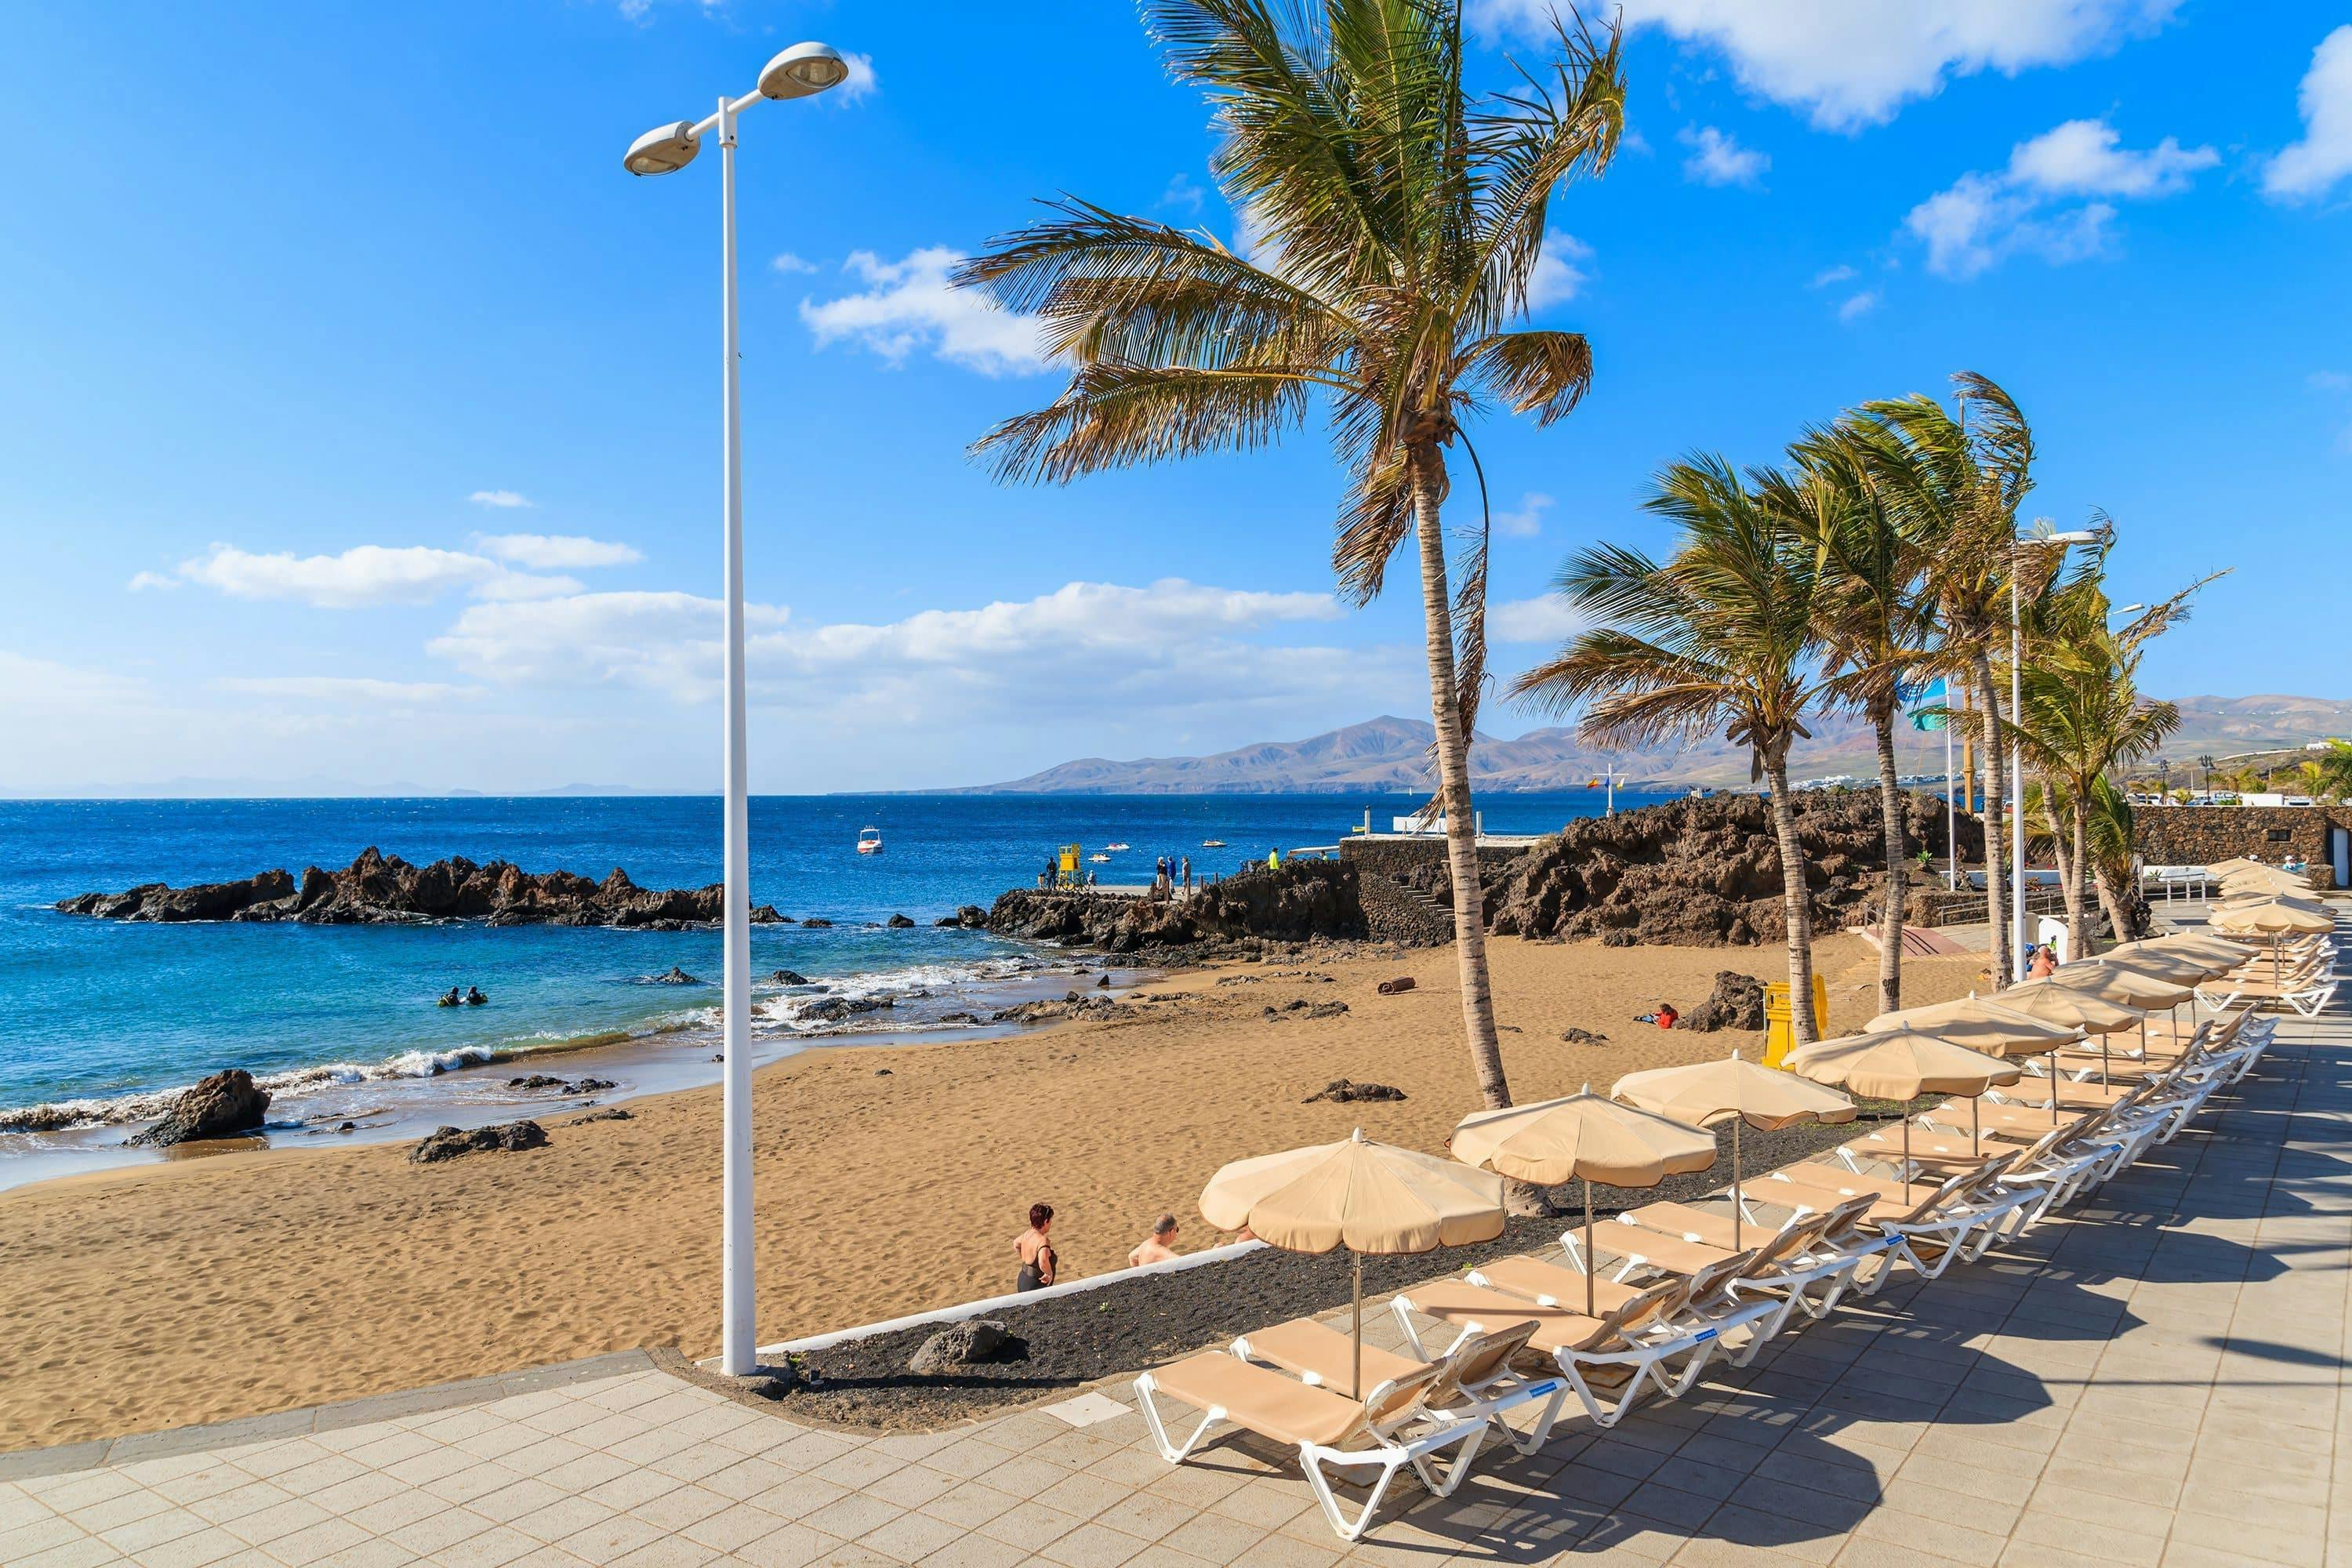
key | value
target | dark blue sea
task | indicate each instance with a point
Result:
(341, 1020)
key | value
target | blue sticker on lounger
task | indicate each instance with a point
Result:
(1704, 1334)
(1538, 1390)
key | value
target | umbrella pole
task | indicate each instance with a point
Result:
(1976, 1121)
(1906, 1144)
(1357, 1388)
(1587, 1246)
(1735, 1181)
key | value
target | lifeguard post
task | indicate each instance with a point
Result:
(1070, 869)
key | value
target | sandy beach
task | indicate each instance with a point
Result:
(889, 1179)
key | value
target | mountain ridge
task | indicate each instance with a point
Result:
(1390, 755)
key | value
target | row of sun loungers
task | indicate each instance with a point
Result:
(2299, 976)
(1669, 1294)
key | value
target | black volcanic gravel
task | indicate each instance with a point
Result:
(1137, 1323)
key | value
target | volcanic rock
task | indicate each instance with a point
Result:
(220, 1106)
(1735, 1002)
(833, 1009)
(1303, 900)
(450, 1142)
(1576, 1037)
(384, 889)
(790, 977)
(674, 976)
(1705, 872)
(968, 917)
(899, 922)
(817, 922)
(1339, 1091)
(973, 1343)
(610, 1113)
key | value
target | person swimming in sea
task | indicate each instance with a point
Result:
(474, 997)
(450, 998)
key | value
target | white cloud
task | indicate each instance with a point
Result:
(1526, 520)
(910, 304)
(143, 580)
(2081, 158)
(2309, 169)
(1841, 273)
(345, 689)
(504, 499)
(1556, 277)
(1857, 306)
(1090, 646)
(556, 551)
(1549, 618)
(1983, 218)
(1717, 160)
(364, 576)
(1183, 192)
(860, 84)
(44, 686)
(2319, 379)
(787, 262)
(1851, 63)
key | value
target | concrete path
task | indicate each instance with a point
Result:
(2155, 1378)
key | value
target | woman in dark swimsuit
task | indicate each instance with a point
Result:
(1037, 1253)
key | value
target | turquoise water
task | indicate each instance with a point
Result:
(341, 1019)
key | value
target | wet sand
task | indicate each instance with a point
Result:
(889, 1179)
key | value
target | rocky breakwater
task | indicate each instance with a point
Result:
(1707, 873)
(384, 889)
(1304, 900)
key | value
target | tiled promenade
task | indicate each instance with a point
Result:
(2155, 1377)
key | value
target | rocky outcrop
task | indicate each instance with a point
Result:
(899, 922)
(968, 917)
(1704, 873)
(384, 889)
(673, 975)
(976, 1341)
(221, 1106)
(834, 1009)
(450, 1142)
(1340, 1092)
(1303, 900)
(1735, 1002)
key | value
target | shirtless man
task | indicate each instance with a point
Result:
(1155, 1247)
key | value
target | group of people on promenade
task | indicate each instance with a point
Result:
(1035, 1247)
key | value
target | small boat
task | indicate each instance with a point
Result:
(869, 841)
(1100, 859)
(1118, 846)
(1213, 844)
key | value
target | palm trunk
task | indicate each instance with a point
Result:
(2070, 867)
(1996, 892)
(2116, 920)
(2078, 917)
(1454, 785)
(1898, 871)
(1795, 896)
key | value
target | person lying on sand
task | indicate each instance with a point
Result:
(1663, 1017)
(1157, 1247)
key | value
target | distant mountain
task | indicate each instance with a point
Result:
(1388, 755)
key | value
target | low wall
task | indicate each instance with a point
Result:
(2200, 835)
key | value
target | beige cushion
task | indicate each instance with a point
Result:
(1476, 1307)
(1535, 1278)
(1268, 1403)
(1303, 1346)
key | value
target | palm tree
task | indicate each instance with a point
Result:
(1873, 626)
(1399, 222)
(1719, 638)
(2113, 843)
(1954, 485)
(2335, 772)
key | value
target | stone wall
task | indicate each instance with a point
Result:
(1394, 881)
(2200, 835)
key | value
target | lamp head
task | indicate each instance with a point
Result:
(803, 71)
(662, 149)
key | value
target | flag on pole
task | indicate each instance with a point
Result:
(1925, 702)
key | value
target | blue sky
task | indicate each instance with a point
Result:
(360, 422)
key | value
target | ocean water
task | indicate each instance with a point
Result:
(341, 1020)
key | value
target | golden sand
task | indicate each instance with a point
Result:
(142, 1299)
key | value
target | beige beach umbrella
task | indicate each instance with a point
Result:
(2076, 1008)
(1362, 1196)
(2211, 955)
(1582, 1136)
(1900, 1064)
(2275, 917)
(1990, 1024)
(2122, 983)
(2265, 878)
(1705, 1093)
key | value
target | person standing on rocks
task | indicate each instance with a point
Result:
(1188, 873)
(1036, 1251)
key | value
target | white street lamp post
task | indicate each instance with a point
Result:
(2017, 748)
(799, 72)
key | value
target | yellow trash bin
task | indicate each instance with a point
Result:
(1777, 1034)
